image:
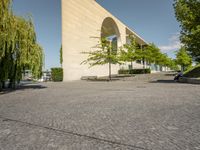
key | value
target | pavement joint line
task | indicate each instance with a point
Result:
(73, 133)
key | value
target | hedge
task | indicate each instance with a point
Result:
(194, 72)
(57, 74)
(134, 71)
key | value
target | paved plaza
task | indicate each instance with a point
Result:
(146, 112)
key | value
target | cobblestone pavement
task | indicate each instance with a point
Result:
(142, 112)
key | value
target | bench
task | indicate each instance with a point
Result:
(88, 77)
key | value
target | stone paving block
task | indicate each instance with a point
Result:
(148, 112)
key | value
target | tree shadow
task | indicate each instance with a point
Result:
(23, 87)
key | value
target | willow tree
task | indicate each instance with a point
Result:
(19, 49)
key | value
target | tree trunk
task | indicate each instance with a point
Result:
(110, 71)
(1, 86)
(131, 64)
(182, 68)
(12, 83)
(143, 62)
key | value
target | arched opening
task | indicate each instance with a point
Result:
(110, 31)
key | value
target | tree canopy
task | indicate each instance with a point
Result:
(130, 52)
(183, 59)
(188, 14)
(104, 54)
(151, 53)
(19, 49)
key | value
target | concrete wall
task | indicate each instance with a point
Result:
(81, 22)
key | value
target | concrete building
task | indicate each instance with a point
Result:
(83, 23)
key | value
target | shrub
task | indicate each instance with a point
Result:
(123, 71)
(134, 71)
(57, 74)
(193, 72)
(140, 71)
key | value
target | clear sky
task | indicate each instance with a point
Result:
(153, 20)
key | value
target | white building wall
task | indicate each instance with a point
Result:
(81, 21)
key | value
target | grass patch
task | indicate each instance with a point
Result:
(193, 72)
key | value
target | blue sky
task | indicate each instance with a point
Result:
(153, 20)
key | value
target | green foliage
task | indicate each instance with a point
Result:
(183, 59)
(18, 47)
(172, 64)
(134, 71)
(194, 72)
(152, 53)
(130, 52)
(164, 60)
(188, 14)
(61, 55)
(104, 54)
(57, 74)
(124, 71)
(149, 53)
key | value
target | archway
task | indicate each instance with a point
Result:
(110, 31)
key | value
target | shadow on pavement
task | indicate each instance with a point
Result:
(23, 87)
(170, 74)
(164, 81)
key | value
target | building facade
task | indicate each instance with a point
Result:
(84, 22)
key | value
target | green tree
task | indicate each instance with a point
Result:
(173, 64)
(183, 59)
(130, 51)
(188, 14)
(18, 47)
(104, 54)
(152, 53)
(61, 56)
(149, 53)
(165, 61)
(57, 74)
